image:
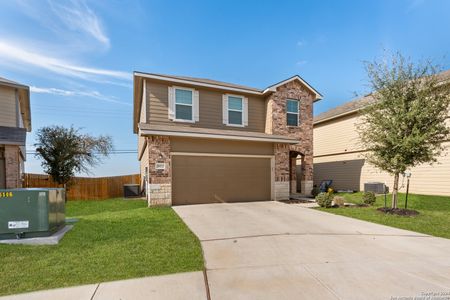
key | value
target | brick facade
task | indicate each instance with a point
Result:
(277, 124)
(12, 167)
(160, 179)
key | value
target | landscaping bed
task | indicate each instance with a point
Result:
(426, 214)
(113, 239)
(398, 211)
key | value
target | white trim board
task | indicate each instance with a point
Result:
(215, 136)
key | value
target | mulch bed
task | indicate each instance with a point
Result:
(295, 201)
(398, 211)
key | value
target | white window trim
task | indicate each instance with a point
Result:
(244, 111)
(192, 105)
(297, 113)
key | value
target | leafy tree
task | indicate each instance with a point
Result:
(404, 125)
(66, 151)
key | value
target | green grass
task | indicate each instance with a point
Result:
(434, 217)
(113, 239)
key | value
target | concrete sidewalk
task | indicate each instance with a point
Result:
(175, 286)
(271, 250)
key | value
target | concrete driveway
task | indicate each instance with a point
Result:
(272, 250)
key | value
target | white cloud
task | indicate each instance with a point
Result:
(77, 16)
(70, 93)
(301, 43)
(20, 55)
(301, 62)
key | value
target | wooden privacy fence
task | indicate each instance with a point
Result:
(85, 188)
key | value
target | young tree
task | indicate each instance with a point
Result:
(404, 125)
(65, 151)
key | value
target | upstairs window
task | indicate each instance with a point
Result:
(235, 110)
(292, 112)
(183, 104)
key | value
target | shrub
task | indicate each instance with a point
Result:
(369, 198)
(324, 199)
(315, 191)
(338, 200)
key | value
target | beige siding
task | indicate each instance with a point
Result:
(337, 136)
(350, 171)
(144, 108)
(210, 109)
(141, 142)
(8, 111)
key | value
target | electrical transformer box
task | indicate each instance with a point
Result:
(31, 212)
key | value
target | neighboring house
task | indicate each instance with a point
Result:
(203, 141)
(15, 121)
(338, 154)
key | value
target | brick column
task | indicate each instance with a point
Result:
(281, 152)
(293, 174)
(12, 167)
(160, 171)
(306, 180)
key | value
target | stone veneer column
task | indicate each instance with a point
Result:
(12, 167)
(281, 152)
(160, 180)
(276, 124)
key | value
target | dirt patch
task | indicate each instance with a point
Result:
(398, 211)
(357, 205)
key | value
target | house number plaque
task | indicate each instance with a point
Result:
(160, 166)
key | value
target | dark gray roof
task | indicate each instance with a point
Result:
(359, 103)
(205, 80)
(13, 135)
(222, 132)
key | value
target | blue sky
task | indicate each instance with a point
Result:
(78, 56)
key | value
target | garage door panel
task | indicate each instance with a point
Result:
(198, 179)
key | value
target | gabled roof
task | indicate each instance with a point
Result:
(302, 81)
(207, 83)
(24, 95)
(357, 104)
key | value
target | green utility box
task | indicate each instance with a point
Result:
(31, 212)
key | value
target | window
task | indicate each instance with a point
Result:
(292, 112)
(234, 110)
(183, 104)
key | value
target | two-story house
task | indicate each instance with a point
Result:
(340, 157)
(15, 121)
(206, 141)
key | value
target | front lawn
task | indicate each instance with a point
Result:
(434, 217)
(113, 239)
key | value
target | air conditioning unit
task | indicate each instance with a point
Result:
(376, 187)
(131, 190)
